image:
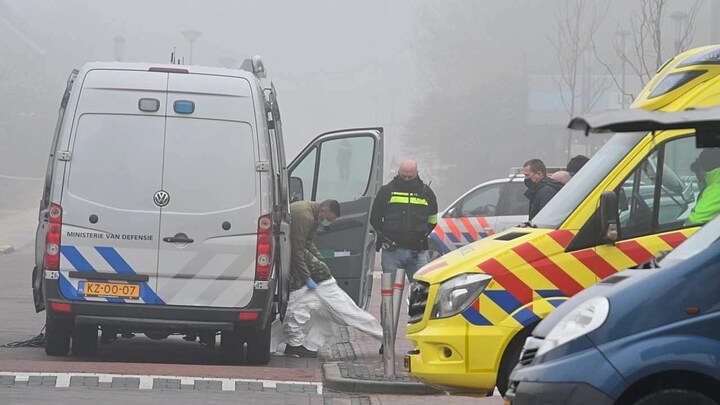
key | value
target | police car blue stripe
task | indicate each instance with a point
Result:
(452, 237)
(443, 247)
(549, 293)
(468, 237)
(475, 318)
(121, 266)
(76, 259)
(556, 302)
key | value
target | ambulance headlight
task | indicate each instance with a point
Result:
(582, 320)
(458, 293)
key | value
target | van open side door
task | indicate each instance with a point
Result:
(345, 166)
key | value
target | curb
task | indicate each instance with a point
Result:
(333, 379)
(4, 248)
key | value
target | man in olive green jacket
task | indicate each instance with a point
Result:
(306, 265)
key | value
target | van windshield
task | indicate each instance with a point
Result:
(585, 181)
(695, 244)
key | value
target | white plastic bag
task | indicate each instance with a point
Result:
(313, 316)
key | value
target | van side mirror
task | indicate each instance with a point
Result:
(609, 216)
(296, 189)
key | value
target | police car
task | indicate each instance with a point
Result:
(485, 209)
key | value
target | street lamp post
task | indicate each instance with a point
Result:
(191, 36)
(679, 17)
(623, 34)
(119, 47)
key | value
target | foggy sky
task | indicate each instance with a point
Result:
(336, 64)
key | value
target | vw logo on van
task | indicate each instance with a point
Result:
(161, 198)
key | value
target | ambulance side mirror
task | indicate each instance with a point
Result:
(609, 216)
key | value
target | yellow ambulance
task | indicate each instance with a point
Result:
(471, 310)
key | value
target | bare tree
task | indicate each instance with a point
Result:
(577, 22)
(647, 49)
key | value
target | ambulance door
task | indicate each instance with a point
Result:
(654, 204)
(345, 166)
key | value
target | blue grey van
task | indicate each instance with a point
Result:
(646, 336)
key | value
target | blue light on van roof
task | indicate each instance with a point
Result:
(184, 106)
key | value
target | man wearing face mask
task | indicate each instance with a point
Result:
(403, 214)
(541, 189)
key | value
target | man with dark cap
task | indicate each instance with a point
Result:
(707, 168)
(576, 163)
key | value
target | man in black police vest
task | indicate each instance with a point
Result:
(403, 214)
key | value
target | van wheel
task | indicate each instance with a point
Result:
(510, 359)
(57, 336)
(231, 347)
(674, 396)
(258, 346)
(84, 340)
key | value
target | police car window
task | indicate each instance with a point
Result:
(480, 203)
(305, 171)
(345, 168)
(514, 201)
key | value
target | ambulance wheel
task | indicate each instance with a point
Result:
(57, 336)
(258, 346)
(231, 347)
(84, 340)
(433, 251)
(510, 359)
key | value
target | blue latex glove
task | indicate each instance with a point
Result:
(310, 283)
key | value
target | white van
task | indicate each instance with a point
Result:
(165, 208)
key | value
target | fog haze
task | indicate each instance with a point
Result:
(465, 86)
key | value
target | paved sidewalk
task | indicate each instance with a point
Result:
(17, 228)
(356, 366)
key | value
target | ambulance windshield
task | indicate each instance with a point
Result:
(585, 181)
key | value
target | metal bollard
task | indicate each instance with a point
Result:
(386, 319)
(398, 288)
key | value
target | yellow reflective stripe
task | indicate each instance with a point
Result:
(407, 200)
(432, 219)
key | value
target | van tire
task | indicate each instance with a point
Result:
(510, 359)
(258, 346)
(231, 347)
(675, 396)
(57, 336)
(84, 340)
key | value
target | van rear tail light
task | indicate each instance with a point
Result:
(264, 256)
(52, 238)
(248, 316)
(60, 307)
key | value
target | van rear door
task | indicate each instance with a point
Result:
(110, 224)
(345, 166)
(208, 231)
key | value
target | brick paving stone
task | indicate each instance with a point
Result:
(82, 381)
(161, 383)
(42, 381)
(248, 386)
(213, 385)
(122, 382)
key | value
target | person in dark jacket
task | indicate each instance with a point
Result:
(403, 214)
(541, 188)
